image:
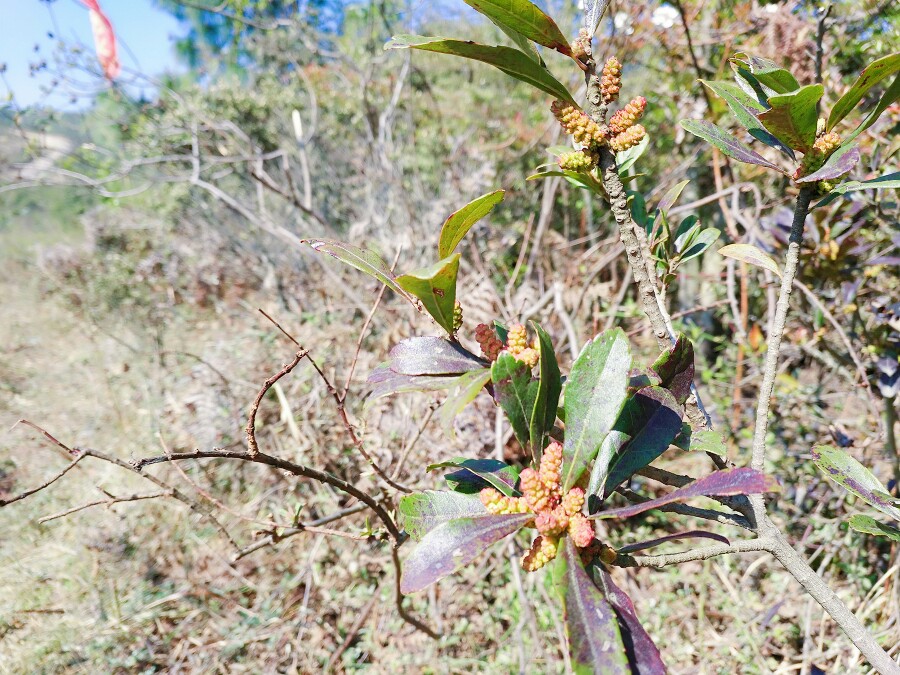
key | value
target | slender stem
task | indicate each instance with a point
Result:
(791, 264)
(704, 553)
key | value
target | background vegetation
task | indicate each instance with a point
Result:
(138, 238)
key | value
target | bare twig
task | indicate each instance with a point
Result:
(109, 501)
(704, 553)
(252, 446)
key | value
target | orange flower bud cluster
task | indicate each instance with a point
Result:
(578, 124)
(628, 139)
(517, 345)
(498, 503)
(555, 514)
(821, 150)
(611, 80)
(580, 160)
(543, 550)
(487, 339)
(628, 116)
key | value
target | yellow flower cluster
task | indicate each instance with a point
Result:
(611, 80)
(628, 116)
(628, 139)
(580, 160)
(517, 345)
(578, 124)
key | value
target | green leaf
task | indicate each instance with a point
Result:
(516, 392)
(584, 180)
(768, 73)
(592, 627)
(727, 143)
(421, 512)
(525, 45)
(651, 419)
(700, 243)
(687, 231)
(626, 159)
(869, 525)
(460, 222)
(891, 95)
(671, 196)
(511, 61)
(752, 255)
(543, 415)
(476, 474)
(871, 75)
(854, 477)
(792, 117)
(701, 440)
(362, 259)
(525, 18)
(595, 392)
(745, 108)
(465, 389)
(435, 286)
(675, 368)
(888, 180)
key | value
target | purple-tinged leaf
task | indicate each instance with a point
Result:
(511, 61)
(461, 394)
(741, 481)
(675, 367)
(546, 401)
(643, 654)
(432, 356)
(727, 143)
(691, 534)
(383, 382)
(476, 474)
(871, 75)
(455, 544)
(460, 222)
(840, 467)
(516, 392)
(840, 162)
(592, 626)
(752, 255)
(792, 117)
(361, 259)
(526, 18)
(435, 287)
(595, 392)
(652, 419)
(868, 525)
(421, 512)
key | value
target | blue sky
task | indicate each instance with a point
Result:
(145, 35)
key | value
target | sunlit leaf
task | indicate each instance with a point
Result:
(435, 286)
(383, 382)
(475, 474)
(675, 368)
(701, 440)
(454, 544)
(593, 13)
(888, 98)
(361, 259)
(868, 525)
(840, 467)
(752, 255)
(889, 181)
(594, 395)
(511, 61)
(671, 196)
(420, 512)
(792, 117)
(740, 481)
(700, 243)
(727, 143)
(768, 73)
(462, 393)
(525, 18)
(460, 222)
(871, 75)
(592, 628)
